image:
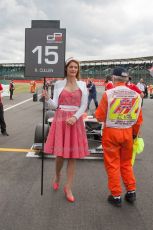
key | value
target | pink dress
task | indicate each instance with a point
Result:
(65, 140)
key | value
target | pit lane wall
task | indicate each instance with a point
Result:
(97, 82)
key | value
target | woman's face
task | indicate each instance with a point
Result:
(72, 69)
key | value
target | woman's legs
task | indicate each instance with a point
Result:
(58, 166)
(70, 175)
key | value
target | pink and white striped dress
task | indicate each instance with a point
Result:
(65, 140)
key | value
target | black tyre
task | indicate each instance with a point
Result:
(35, 97)
(38, 138)
(48, 114)
(90, 126)
(93, 144)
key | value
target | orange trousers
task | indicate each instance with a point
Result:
(117, 145)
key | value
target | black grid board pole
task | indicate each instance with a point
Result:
(42, 153)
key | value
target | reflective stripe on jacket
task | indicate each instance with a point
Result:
(123, 107)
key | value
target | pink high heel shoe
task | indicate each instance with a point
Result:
(55, 186)
(69, 198)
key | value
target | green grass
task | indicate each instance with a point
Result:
(23, 88)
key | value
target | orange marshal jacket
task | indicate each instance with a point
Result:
(101, 112)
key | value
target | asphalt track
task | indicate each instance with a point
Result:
(23, 208)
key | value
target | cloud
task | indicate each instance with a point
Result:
(95, 29)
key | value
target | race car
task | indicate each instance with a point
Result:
(93, 131)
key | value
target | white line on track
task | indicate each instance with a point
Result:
(20, 103)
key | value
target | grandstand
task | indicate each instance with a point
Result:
(137, 67)
(98, 69)
(10, 71)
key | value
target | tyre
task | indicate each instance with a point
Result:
(35, 97)
(90, 126)
(151, 96)
(48, 114)
(38, 138)
(93, 144)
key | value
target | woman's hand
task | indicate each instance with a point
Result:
(45, 95)
(71, 120)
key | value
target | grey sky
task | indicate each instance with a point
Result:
(96, 29)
